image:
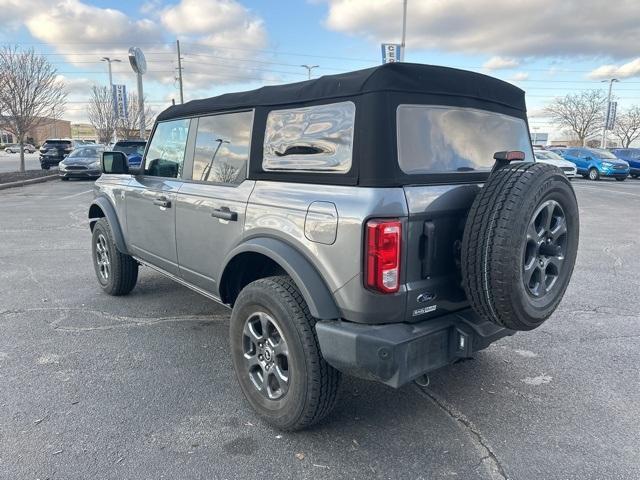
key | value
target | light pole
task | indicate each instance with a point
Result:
(404, 29)
(207, 171)
(109, 61)
(309, 68)
(603, 143)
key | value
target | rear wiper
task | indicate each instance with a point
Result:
(465, 169)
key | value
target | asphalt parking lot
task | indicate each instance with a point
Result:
(142, 386)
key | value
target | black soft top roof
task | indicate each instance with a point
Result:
(410, 78)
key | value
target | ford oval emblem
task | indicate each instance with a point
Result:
(426, 297)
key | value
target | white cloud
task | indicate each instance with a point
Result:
(500, 27)
(500, 63)
(519, 76)
(71, 21)
(202, 17)
(627, 70)
(213, 27)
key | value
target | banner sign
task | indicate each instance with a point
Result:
(611, 115)
(391, 52)
(120, 101)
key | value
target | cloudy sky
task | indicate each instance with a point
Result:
(548, 48)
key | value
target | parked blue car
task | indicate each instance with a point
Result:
(631, 156)
(593, 163)
(133, 149)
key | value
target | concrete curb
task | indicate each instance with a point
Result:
(20, 183)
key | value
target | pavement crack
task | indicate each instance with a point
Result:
(489, 458)
(117, 321)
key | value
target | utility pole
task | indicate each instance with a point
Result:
(309, 68)
(180, 71)
(404, 29)
(603, 143)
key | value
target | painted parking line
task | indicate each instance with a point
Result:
(75, 195)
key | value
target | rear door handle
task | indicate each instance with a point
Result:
(162, 202)
(225, 214)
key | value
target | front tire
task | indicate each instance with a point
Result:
(594, 174)
(621, 179)
(276, 356)
(117, 272)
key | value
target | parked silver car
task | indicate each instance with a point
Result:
(547, 156)
(344, 222)
(15, 148)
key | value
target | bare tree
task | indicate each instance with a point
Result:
(101, 114)
(30, 93)
(226, 173)
(627, 126)
(129, 126)
(581, 113)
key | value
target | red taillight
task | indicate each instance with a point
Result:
(382, 257)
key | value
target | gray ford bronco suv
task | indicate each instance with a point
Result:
(381, 223)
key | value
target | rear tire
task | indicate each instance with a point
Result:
(277, 358)
(520, 244)
(621, 179)
(117, 272)
(594, 174)
(64, 179)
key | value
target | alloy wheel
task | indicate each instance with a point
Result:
(545, 249)
(266, 355)
(102, 257)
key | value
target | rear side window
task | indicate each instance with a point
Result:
(439, 139)
(311, 139)
(222, 148)
(165, 157)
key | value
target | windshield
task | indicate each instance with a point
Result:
(85, 152)
(604, 154)
(434, 139)
(130, 148)
(546, 155)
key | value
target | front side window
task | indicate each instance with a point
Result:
(317, 138)
(165, 157)
(222, 148)
(439, 139)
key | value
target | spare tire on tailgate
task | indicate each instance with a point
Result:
(520, 244)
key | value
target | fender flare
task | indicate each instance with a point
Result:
(112, 217)
(306, 277)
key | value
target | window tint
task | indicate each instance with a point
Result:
(318, 138)
(433, 139)
(165, 157)
(222, 148)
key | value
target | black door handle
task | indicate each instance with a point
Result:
(162, 202)
(225, 214)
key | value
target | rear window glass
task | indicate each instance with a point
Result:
(317, 138)
(57, 143)
(435, 139)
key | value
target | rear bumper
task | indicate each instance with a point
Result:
(398, 353)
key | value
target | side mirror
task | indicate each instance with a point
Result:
(114, 162)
